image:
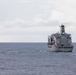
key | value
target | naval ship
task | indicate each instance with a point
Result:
(61, 41)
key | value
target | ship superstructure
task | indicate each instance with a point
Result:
(60, 41)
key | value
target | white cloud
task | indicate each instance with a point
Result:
(32, 34)
(35, 19)
(25, 1)
(57, 16)
(66, 8)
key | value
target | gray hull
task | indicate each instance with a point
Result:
(56, 49)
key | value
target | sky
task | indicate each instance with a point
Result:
(34, 20)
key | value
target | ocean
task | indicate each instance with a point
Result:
(35, 59)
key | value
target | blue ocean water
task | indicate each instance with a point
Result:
(35, 59)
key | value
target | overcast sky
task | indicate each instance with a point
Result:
(34, 20)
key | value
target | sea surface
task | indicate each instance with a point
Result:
(35, 59)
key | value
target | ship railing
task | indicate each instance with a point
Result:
(64, 47)
(58, 46)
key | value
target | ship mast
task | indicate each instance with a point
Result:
(62, 29)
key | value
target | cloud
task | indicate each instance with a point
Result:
(25, 1)
(13, 23)
(29, 34)
(35, 22)
(66, 9)
(37, 19)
